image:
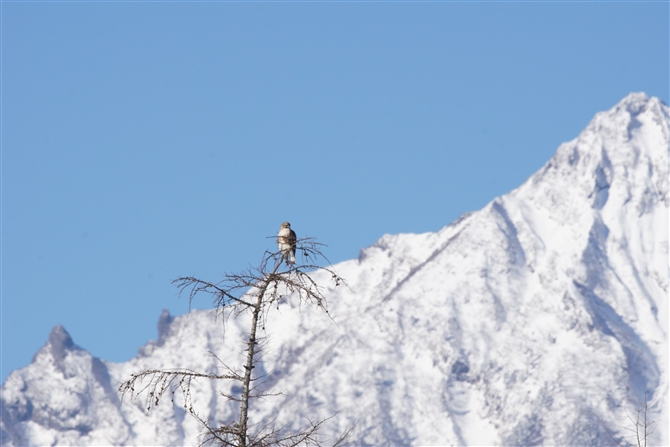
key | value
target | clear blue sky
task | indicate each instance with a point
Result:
(146, 141)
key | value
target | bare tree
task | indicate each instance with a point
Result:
(253, 291)
(642, 427)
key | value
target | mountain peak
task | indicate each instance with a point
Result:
(634, 101)
(60, 342)
(58, 346)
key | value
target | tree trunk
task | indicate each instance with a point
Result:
(251, 352)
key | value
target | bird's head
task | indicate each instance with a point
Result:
(286, 225)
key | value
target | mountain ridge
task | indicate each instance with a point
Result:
(538, 319)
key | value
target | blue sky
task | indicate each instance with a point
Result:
(146, 141)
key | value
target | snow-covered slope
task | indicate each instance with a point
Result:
(538, 320)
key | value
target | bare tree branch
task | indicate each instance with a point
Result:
(254, 291)
(641, 429)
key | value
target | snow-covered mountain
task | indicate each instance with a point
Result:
(538, 320)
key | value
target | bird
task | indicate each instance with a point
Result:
(286, 240)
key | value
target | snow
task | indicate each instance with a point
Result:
(540, 319)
